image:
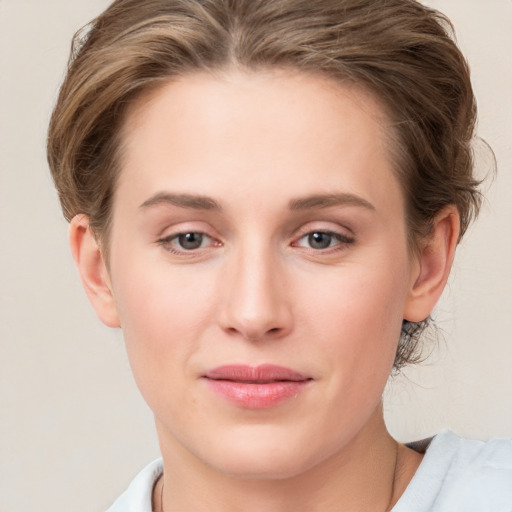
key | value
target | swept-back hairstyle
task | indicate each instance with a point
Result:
(399, 50)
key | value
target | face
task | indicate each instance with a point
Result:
(259, 266)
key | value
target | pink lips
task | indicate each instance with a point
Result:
(257, 387)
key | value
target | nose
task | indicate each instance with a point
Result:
(255, 302)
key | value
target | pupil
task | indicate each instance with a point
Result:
(320, 240)
(190, 240)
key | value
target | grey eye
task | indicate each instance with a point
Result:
(320, 240)
(190, 241)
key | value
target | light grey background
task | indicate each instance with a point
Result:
(73, 429)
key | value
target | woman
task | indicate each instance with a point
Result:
(266, 196)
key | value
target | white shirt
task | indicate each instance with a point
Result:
(459, 475)
(456, 475)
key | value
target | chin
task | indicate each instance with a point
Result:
(262, 466)
(261, 452)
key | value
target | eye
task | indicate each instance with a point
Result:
(186, 242)
(321, 240)
(190, 241)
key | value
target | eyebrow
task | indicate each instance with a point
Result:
(328, 200)
(199, 202)
(193, 201)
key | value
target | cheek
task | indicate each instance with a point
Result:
(358, 318)
(162, 316)
(153, 296)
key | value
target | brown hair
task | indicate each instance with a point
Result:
(400, 50)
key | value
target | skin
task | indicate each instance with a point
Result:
(263, 147)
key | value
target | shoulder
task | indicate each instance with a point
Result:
(137, 498)
(461, 475)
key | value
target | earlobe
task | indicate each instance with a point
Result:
(92, 269)
(433, 265)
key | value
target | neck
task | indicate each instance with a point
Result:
(368, 474)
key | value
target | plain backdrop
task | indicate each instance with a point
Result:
(73, 429)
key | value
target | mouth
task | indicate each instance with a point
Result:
(256, 387)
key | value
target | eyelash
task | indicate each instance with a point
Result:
(342, 241)
(169, 243)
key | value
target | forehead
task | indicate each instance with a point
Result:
(245, 131)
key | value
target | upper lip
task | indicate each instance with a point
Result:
(263, 373)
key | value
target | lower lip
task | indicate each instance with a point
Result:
(257, 395)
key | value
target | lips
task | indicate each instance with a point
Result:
(256, 387)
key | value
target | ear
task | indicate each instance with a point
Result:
(433, 265)
(92, 269)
